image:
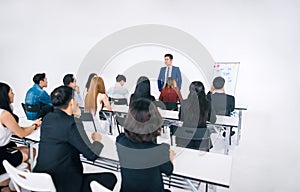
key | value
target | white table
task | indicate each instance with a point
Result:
(188, 164)
(172, 117)
(191, 164)
(228, 122)
(208, 167)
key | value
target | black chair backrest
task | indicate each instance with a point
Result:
(120, 119)
(159, 104)
(31, 108)
(195, 138)
(171, 106)
(87, 117)
(121, 101)
(192, 133)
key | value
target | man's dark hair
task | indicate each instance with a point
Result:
(169, 55)
(61, 96)
(120, 78)
(218, 82)
(69, 78)
(38, 77)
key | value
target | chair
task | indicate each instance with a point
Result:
(31, 108)
(159, 104)
(120, 119)
(193, 138)
(42, 110)
(173, 106)
(88, 121)
(97, 187)
(5, 176)
(116, 101)
(28, 180)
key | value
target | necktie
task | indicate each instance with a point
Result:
(168, 72)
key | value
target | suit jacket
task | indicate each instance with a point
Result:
(222, 103)
(176, 74)
(142, 165)
(61, 142)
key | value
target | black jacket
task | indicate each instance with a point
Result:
(61, 142)
(142, 165)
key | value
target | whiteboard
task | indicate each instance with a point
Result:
(229, 71)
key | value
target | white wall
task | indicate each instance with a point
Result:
(55, 36)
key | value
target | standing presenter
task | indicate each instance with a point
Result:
(169, 71)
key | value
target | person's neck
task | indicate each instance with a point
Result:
(219, 91)
(68, 111)
(40, 86)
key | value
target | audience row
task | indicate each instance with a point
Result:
(63, 138)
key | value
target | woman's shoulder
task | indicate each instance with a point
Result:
(4, 113)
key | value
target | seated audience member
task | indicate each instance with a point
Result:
(62, 141)
(142, 90)
(142, 160)
(118, 91)
(88, 82)
(8, 126)
(70, 80)
(195, 111)
(37, 96)
(222, 103)
(95, 100)
(170, 94)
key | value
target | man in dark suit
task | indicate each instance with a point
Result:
(169, 71)
(62, 141)
(223, 104)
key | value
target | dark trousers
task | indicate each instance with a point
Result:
(106, 179)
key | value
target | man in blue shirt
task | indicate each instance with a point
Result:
(37, 96)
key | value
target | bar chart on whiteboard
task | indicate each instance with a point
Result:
(229, 71)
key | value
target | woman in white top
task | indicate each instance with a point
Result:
(8, 126)
(95, 100)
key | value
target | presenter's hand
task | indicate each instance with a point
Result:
(96, 137)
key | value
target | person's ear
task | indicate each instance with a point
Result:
(71, 102)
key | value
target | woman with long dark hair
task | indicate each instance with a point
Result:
(143, 160)
(195, 111)
(8, 126)
(142, 90)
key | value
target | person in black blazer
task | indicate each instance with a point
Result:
(142, 160)
(61, 143)
(223, 104)
(142, 90)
